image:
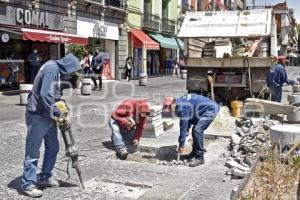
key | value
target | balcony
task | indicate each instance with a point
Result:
(168, 26)
(151, 22)
(121, 4)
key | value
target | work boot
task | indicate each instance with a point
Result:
(122, 154)
(43, 183)
(196, 162)
(188, 157)
(33, 192)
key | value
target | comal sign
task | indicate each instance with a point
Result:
(32, 18)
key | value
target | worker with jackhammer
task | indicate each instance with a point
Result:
(41, 119)
(128, 122)
(193, 110)
(277, 77)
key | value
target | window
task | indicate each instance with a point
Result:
(56, 6)
(165, 9)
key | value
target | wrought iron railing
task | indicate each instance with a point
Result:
(168, 25)
(151, 22)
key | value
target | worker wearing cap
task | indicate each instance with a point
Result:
(276, 78)
(128, 122)
(192, 110)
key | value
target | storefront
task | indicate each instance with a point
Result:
(168, 54)
(104, 36)
(25, 30)
(141, 44)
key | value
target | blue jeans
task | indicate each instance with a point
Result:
(197, 134)
(120, 136)
(276, 93)
(39, 129)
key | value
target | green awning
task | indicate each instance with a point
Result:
(167, 42)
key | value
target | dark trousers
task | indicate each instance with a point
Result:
(276, 93)
(128, 74)
(97, 75)
(197, 134)
(33, 72)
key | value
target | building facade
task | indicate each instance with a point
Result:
(103, 22)
(34, 24)
(152, 29)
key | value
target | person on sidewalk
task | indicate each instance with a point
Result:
(41, 116)
(34, 64)
(276, 78)
(85, 63)
(196, 110)
(128, 67)
(127, 123)
(97, 66)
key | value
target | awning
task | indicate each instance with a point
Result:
(141, 40)
(52, 36)
(167, 42)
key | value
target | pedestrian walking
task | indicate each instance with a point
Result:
(128, 67)
(192, 110)
(277, 77)
(41, 116)
(86, 64)
(97, 66)
(176, 68)
(127, 123)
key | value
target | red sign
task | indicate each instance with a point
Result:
(52, 36)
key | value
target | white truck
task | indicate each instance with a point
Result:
(211, 36)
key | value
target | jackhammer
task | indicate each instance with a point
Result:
(65, 128)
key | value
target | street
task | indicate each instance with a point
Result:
(107, 178)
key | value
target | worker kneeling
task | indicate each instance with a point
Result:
(128, 122)
(196, 110)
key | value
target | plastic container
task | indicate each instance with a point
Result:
(183, 74)
(237, 108)
(143, 79)
(24, 92)
(86, 88)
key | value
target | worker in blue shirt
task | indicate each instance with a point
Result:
(197, 111)
(276, 78)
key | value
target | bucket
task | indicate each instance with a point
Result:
(24, 92)
(143, 79)
(86, 88)
(183, 74)
(237, 107)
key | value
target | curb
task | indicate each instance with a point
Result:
(10, 93)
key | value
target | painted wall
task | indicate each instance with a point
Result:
(135, 12)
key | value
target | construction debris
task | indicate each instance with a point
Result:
(156, 125)
(251, 138)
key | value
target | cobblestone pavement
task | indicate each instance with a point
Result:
(107, 178)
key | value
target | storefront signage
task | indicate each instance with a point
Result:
(100, 30)
(32, 18)
(58, 38)
(97, 29)
(5, 37)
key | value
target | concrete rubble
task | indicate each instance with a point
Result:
(250, 139)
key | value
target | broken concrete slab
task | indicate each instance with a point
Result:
(285, 134)
(235, 139)
(234, 164)
(239, 173)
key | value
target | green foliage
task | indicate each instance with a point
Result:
(77, 50)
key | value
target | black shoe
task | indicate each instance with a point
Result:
(196, 162)
(122, 154)
(94, 88)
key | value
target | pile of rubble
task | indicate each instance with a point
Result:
(251, 139)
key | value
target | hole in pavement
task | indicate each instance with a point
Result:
(165, 155)
(115, 188)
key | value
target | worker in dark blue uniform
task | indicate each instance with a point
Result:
(276, 78)
(197, 111)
